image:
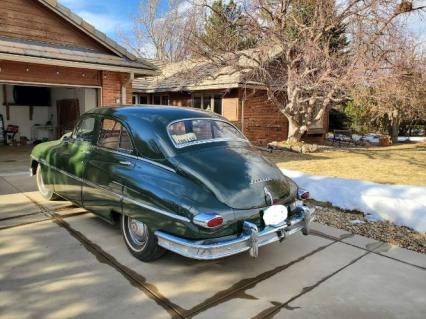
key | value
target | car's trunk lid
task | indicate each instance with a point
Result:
(238, 176)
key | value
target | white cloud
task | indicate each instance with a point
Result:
(104, 22)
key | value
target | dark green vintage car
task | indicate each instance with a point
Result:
(179, 179)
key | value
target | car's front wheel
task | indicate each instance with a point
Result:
(140, 240)
(42, 188)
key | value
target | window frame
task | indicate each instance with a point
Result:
(95, 129)
(119, 149)
(206, 141)
(212, 98)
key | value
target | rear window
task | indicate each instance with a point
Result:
(197, 131)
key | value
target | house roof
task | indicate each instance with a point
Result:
(46, 53)
(193, 75)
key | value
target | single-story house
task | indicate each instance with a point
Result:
(54, 66)
(202, 84)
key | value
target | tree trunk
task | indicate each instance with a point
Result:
(295, 131)
(395, 127)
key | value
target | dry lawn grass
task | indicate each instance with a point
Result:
(398, 164)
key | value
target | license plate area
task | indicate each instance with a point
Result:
(275, 215)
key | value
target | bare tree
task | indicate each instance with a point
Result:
(310, 52)
(163, 34)
(396, 92)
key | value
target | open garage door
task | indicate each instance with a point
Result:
(41, 113)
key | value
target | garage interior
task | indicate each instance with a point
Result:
(31, 114)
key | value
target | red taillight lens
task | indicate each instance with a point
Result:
(302, 194)
(208, 220)
(215, 222)
(305, 195)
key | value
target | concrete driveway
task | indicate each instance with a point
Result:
(58, 261)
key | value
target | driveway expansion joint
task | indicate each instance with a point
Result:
(272, 311)
(374, 249)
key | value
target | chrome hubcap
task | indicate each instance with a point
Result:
(138, 231)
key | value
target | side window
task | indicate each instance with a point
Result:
(125, 141)
(114, 136)
(85, 129)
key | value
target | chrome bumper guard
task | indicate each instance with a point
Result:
(249, 240)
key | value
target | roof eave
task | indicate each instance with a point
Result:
(223, 86)
(138, 71)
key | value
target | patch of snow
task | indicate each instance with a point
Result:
(371, 138)
(372, 217)
(401, 204)
(411, 139)
(357, 222)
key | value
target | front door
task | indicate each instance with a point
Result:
(110, 160)
(71, 157)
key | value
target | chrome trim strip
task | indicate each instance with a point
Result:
(157, 210)
(146, 206)
(212, 140)
(135, 157)
(247, 241)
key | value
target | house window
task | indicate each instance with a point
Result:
(217, 104)
(165, 100)
(197, 101)
(208, 102)
(161, 99)
(157, 99)
(134, 99)
(143, 99)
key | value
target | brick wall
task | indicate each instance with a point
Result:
(111, 88)
(263, 122)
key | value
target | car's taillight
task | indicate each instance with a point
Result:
(302, 194)
(208, 220)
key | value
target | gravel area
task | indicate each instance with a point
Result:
(356, 223)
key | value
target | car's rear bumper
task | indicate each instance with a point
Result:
(249, 240)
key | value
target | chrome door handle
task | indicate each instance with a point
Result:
(126, 163)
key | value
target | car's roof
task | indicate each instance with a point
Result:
(153, 113)
(148, 124)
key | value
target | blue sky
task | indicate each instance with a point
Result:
(115, 16)
(109, 16)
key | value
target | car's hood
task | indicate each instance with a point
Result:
(240, 177)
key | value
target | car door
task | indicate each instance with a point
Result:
(71, 157)
(111, 159)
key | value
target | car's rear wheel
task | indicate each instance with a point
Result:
(42, 188)
(140, 240)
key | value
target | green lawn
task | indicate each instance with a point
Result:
(398, 164)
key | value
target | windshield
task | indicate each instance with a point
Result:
(197, 131)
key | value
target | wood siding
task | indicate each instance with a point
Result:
(39, 73)
(30, 20)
